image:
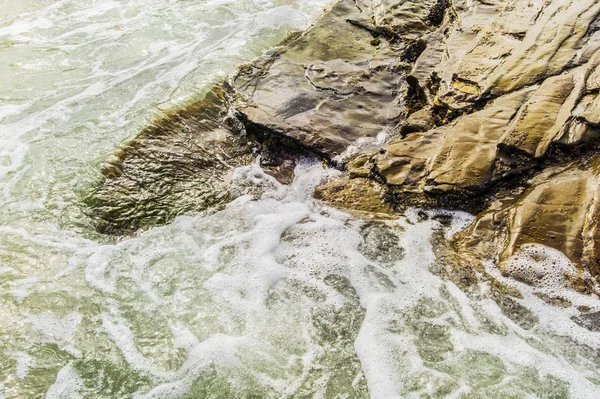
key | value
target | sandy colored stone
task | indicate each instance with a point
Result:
(406, 162)
(550, 44)
(494, 47)
(465, 159)
(542, 118)
(356, 195)
(320, 90)
(459, 156)
(419, 121)
(593, 81)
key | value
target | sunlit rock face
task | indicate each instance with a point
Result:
(486, 106)
(507, 122)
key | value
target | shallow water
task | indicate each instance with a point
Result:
(272, 297)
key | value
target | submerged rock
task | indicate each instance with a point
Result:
(176, 165)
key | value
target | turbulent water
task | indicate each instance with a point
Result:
(270, 298)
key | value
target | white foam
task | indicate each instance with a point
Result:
(24, 363)
(123, 337)
(238, 290)
(547, 271)
(101, 271)
(60, 331)
(67, 385)
(252, 180)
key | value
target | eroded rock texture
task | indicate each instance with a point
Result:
(502, 116)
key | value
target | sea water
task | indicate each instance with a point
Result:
(276, 296)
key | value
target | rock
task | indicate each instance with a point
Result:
(498, 47)
(419, 121)
(443, 159)
(179, 164)
(182, 163)
(360, 195)
(487, 106)
(556, 113)
(335, 84)
(479, 149)
(560, 210)
(513, 89)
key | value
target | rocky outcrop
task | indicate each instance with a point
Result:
(506, 123)
(487, 106)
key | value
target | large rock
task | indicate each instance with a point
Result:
(341, 81)
(410, 19)
(513, 89)
(488, 106)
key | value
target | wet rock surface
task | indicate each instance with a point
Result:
(502, 119)
(178, 164)
(487, 106)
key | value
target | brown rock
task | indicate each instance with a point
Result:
(336, 84)
(361, 195)
(493, 48)
(455, 157)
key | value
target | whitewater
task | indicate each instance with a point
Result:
(275, 296)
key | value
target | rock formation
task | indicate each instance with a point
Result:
(482, 105)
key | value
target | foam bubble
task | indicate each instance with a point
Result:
(551, 273)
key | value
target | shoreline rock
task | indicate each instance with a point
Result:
(492, 107)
